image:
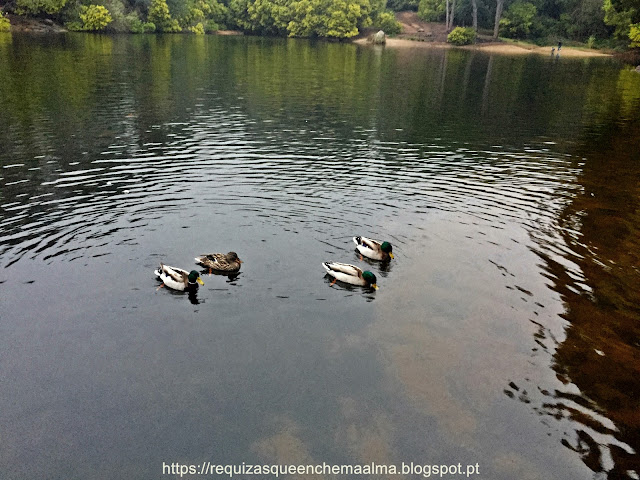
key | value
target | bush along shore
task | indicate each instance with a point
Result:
(338, 19)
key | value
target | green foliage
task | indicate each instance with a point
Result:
(538, 20)
(580, 19)
(333, 18)
(386, 21)
(74, 26)
(518, 20)
(344, 18)
(432, 10)
(5, 25)
(402, 5)
(306, 19)
(462, 36)
(35, 7)
(239, 17)
(138, 26)
(621, 16)
(212, 26)
(634, 35)
(159, 15)
(198, 29)
(217, 12)
(201, 11)
(303, 18)
(269, 17)
(95, 18)
(119, 21)
(123, 20)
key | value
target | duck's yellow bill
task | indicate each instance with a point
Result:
(391, 255)
(375, 287)
(199, 280)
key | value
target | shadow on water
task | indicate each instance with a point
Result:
(231, 277)
(597, 277)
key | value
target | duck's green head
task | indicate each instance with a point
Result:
(387, 248)
(370, 278)
(194, 277)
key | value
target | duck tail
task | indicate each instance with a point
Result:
(357, 240)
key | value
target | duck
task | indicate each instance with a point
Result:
(177, 278)
(373, 249)
(222, 262)
(350, 274)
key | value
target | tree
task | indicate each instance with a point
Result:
(402, 5)
(306, 19)
(518, 19)
(95, 18)
(450, 11)
(496, 25)
(431, 10)
(634, 35)
(386, 21)
(580, 19)
(159, 15)
(621, 14)
(35, 7)
(474, 6)
(201, 12)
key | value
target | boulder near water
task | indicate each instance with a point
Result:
(379, 38)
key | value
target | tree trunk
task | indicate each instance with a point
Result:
(496, 26)
(453, 10)
(474, 5)
(446, 22)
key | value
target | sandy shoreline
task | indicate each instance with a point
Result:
(493, 47)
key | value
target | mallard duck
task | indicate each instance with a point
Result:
(373, 249)
(177, 278)
(350, 274)
(222, 262)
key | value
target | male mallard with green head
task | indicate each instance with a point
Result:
(373, 249)
(350, 274)
(177, 278)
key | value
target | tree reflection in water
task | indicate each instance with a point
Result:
(601, 352)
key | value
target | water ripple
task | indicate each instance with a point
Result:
(287, 177)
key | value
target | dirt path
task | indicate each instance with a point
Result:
(414, 28)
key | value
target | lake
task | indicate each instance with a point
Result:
(505, 332)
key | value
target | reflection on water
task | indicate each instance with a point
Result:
(599, 354)
(505, 327)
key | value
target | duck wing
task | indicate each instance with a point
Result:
(344, 268)
(219, 261)
(367, 243)
(175, 274)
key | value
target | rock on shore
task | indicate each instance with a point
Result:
(33, 25)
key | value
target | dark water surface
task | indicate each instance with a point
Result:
(505, 333)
